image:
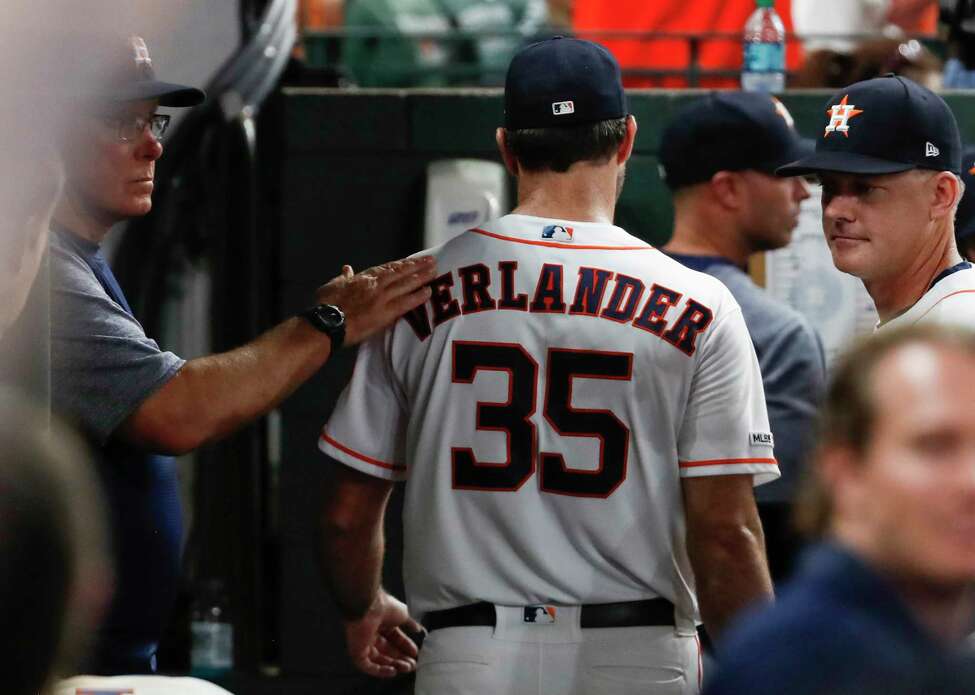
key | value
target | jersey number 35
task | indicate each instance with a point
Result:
(514, 418)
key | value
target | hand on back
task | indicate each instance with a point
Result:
(374, 298)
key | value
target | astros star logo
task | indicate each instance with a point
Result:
(784, 112)
(839, 117)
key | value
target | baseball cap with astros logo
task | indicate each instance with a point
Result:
(562, 82)
(728, 131)
(883, 126)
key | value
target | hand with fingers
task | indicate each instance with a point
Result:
(374, 298)
(377, 642)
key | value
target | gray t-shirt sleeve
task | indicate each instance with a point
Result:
(794, 374)
(103, 366)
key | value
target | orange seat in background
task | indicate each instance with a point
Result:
(926, 24)
(681, 16)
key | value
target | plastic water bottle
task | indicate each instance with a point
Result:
(763, 68)
(213, 633)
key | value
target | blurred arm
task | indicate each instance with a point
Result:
(352, 559)
(352, 538)
(726, 547)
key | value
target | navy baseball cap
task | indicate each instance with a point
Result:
(965, 216)
(728, 131)
(562, 82)
(115, 68)
(883, 126)
(134, 79)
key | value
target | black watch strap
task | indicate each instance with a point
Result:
(328, 319)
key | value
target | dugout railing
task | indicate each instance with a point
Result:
(326, 49)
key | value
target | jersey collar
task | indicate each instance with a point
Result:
(964, 265)
(547, 231)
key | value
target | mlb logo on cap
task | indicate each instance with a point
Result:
(563, 108)
(562, 82)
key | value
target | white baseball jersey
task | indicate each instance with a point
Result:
(951, 301)
(544, 404)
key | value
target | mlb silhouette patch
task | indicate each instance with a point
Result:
(839, 117)
(563, 108)
(557, 232)
(540, 615)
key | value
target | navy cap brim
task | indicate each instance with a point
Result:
(805, 147)
(167, 93)
(802, 148)
(843, 163)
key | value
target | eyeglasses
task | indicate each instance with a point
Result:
(129, 128)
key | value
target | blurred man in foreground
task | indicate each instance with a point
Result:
(54, 573)
(891, 590)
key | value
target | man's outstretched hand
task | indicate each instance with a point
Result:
(374, 298)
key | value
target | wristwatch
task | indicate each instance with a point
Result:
(329, 319)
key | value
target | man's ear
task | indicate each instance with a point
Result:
(947, 192)
(500, 137)
(626, 147)
(728, 188)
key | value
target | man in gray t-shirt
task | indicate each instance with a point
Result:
(718, 156)
(139, 403)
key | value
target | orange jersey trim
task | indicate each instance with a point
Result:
(726, 462)
(557, 245)
(362, 457)
(932, 307)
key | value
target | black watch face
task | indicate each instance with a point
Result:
(330, 316)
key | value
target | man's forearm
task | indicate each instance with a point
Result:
(213, 396)
(731, 572)
(352, 561)
(238, 386)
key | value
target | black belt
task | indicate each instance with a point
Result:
(648, 612)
